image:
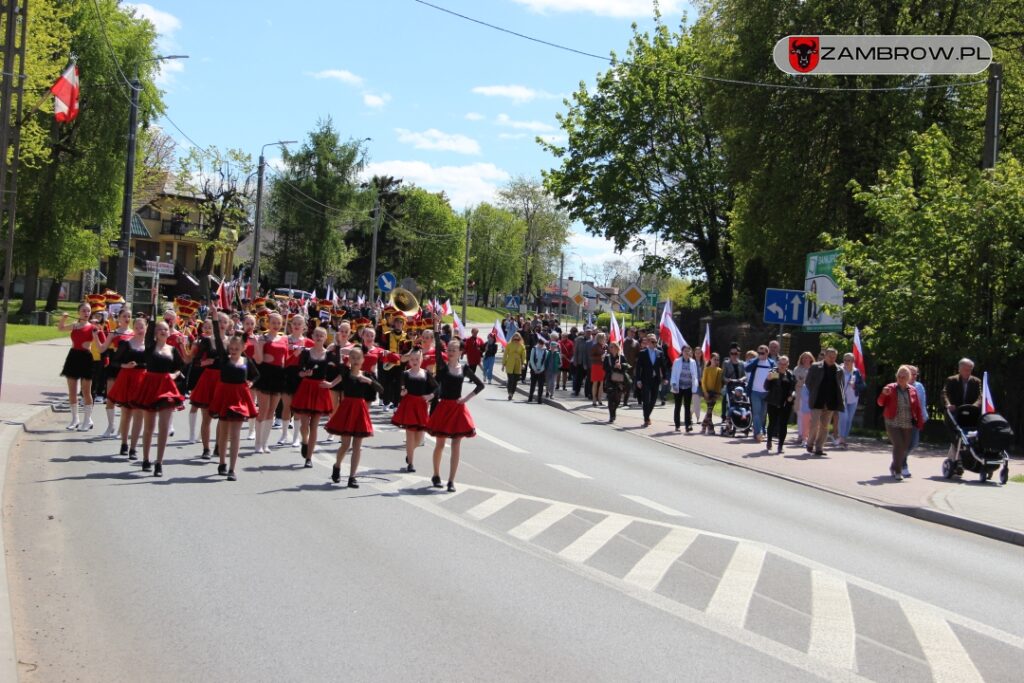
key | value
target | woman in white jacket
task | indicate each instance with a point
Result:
(685, 382)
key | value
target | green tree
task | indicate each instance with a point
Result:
(385, 192)
(431, 240)
(496, 239)
(547, 231)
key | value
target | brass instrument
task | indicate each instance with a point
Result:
(405, 301)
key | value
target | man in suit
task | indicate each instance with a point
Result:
(962, 388)
(650, 375)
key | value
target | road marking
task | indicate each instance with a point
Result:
(541, 522)
(652, 567)
(498, 442)
(833, 632)
(736, 587)
(584, 547)
(568, 470)
(492, 505)
(664, 509)
(943, 650)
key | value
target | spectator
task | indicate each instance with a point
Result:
(565, 348)
(698, 358)
(684, 382)
(915, 436)
(825, 396)
(631, 350)
(732, 371)
(650, 375)
(757, 371)
(552, 367)
(711, 384)
(781, 386)
(962, 388)
(902, 411)
(490, 352)
(581, 363)
(802, 405)
(773, 351)
(618, 378)
(512, 362)
(474, 349)
(538, 363)
(597, 352)
(853, 385)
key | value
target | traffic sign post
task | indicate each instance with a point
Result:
(512, 302)
(784, 307)
(387, 282)
(633, 296)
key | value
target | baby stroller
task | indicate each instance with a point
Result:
(738, 416)
(979, 444)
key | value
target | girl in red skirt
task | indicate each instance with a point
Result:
(297, 343)
(312, 399)
(232, 402)
(417, 389)
(351, 420)
(271, 351)
(121, 333)
(451, 418)
(158, 395)
(130, 361)
(205, 365)
(79, 365)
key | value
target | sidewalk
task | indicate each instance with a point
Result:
(860, 473)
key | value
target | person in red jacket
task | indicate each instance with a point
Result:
(902, 411)
(474, 349)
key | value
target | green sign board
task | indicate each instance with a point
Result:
(824, 298)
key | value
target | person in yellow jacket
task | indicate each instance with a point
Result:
(513, 362)
(711, 383)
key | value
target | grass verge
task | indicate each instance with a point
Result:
(24, 334)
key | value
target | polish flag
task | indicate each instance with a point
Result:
(459, 328)
(615, 334)
(499, 334)
(223, 297)
(361, 300)
(65, 95)
(670, 334)
(446, 309)
(705, 348)
(858, 354)
(328, 296)
(987, 405)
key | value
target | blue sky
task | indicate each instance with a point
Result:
(449, 105)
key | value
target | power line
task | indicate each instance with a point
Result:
(110, 48)
(183, 133)
(688, 74)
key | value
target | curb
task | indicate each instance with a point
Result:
(925, 514)
(11, 428)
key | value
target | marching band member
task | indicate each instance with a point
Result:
(271, 352)
(206, 371)
(297, 343)
(342, 342)
(79, 364)
(158, 394)
(395, 341)
(130, 361)
(351, 420)
(232, 402)
(312, 399)
(249, 338)
(120, 334)
(417, 387)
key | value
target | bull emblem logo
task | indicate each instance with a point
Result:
(803, 53)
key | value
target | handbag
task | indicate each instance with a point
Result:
(617, 376)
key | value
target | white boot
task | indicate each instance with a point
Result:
(111, 430)
(257, 433)
(74, 415)
(284, 433)
(263, 428)
(86, 424)
(252, 431)
(192, 426)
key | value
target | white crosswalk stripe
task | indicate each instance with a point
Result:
(652, 567)
(736, 587)
(658, 507)
(492, 505)
(833, 632)
(568, 470)
(541, 522)
(498, 442)
(584, 547)
(943, 650)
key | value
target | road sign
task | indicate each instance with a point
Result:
(633, 296)
(291, 278)
(386, 282)
(579, 299)
(652, 298)
(512, 302)
(822, 291)
(784, 307)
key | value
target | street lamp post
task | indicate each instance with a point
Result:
(124, 245)
(254, 275)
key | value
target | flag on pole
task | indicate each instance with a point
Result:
(330, 291)
(858, 354)
(447, 308)
(987, 405)
(65, 95)
(705, 348)
(499, 334)
(670, 334)
(459, 328)
(360, 301)
(223, 297)
(313, 297)
(615, 334)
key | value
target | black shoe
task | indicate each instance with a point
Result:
(336, 475)
(305, 450)
(308, 463)
(216, 451)
(231, 475)
(451, 487)
(780, 449)
(819, 453)
(410, 468)
(146, 466)
(132, 455)
(206, 454)
(768, 446)
(222, 469)
(124, 449)
(689, 429)
(435, 482)
(158, 469)
(352, 484)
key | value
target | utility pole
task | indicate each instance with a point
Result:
(377, 217)
(254, 274)
(990, 152)
(124, 245)
(465, 269)
(562, 291)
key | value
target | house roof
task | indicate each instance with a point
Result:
(139, 228)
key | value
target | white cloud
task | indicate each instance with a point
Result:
(376, 101)
(434, 139)
(473, 116)
(533, 126)
(464, 185)
(607, 8)
(342, 75)
(166, 25)
(520, 94)
(594, 250)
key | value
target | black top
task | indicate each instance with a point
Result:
(126, 354)
(780, 390)
(451, 384)
(353, 388)
(625, 368)
(828, 393)
(419, 386)
(158, 362)
(207, 350)
(229, 372)
(490, 348)
(320, 369)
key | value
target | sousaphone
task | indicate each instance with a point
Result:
(404, 301)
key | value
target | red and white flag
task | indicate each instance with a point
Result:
(459, 328)
(446, 309)
(615, 334)
(987, 405)
(858, 354)
(499, 334)
(65, 95)
(705, 348)
(223, 296)
(670, 334)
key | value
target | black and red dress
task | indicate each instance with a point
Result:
(291, 363)
(232, 399)
(79, 363)
(412, 409)
(129, 380)
(116, 339)
(203, 379)
(352, 418)
(451, 418)
(311, 397)
(158, 389)
(271, 370)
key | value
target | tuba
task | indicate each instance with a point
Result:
(404, 301)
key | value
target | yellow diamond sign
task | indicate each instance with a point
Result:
(579, 299)
(633, 296)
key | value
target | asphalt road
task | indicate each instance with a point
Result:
(572, 551)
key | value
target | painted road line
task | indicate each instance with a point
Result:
(492, 505)
(732, 597)
(652, 567)
(541, 522)
(498, 442)
(833, 632)
(568, 470)
(943, 650)
(584, 547)
(647, 502)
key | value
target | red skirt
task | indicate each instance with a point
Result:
(451, 419)
(206, 387)
(126, 386)
(411, 413)
(232, 402)
(311, 398)
(158, 391)
(352, 418)
(597, 373)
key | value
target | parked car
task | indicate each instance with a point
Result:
(292, 293)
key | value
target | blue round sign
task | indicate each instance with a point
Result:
(386, 282)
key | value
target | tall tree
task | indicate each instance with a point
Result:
(386, 193)
(496, 238)
(432, 241)
(547, 231)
